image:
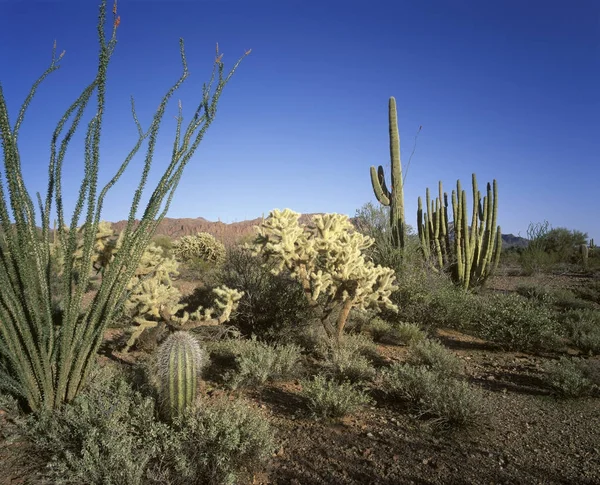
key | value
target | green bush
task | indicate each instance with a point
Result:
(517, 323)
(105, 436)
(257, 362)
(347, 363)
(396, 334)
(331, 399)
(447, 401)
(583, 328)
(220, 443)
(273, 307)
(434, 356)
(570, 377)
(109, 436)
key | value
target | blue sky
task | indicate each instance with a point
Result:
(506, 89)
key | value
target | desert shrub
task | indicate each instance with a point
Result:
(347, 363)
(408, 333)
(219, 443)
(331, 399)
(401, 333)
(536, 292)
(434, 356)
(109, 436)
(105, 436)
(273, 307)
(448, 401)
(165, 243)
(566, 299)
(583, 328)
(257, 362)
(570, 377)
(431, 300)
(517, 323)
(589, 292)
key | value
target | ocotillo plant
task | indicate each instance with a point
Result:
(471, 253)
(394, 198)
(45, 359)
(179, 364)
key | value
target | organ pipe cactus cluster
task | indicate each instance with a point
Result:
(472, 253)
(203, 245)
(326, 257)
(180, 361)
(394, 198)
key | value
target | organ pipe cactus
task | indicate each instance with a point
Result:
(180, 361)
(394, 198)
(472, 253)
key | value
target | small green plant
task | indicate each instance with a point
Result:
(448, 401)
(434, 356)
(570, 378)
(583, 328)
(222, 443)
(180, 361)
(401, 333)
(343, 362)
(331, 399)
(257, 362)
(105, 436)
(517, 323)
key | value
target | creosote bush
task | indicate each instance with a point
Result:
(273, 306)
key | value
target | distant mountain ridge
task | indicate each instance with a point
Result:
(229, 233)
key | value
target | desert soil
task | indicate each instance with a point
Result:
(528, 437)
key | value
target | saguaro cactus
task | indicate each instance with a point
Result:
(393, 199)
(180, 361)
(472, 253)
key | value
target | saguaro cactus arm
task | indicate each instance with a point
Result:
(393, 199)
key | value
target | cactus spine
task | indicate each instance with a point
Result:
(179, 363)
(473, 253)
(393, 199)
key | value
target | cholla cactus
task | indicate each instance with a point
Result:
(202, 245)
(180, 361)
(327, 258)
(151, 292)
(105, 245)
(227, 302)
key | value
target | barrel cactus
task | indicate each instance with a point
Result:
(180, 361)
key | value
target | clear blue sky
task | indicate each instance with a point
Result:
(506, 89)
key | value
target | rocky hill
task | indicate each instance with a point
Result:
(234, 231)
